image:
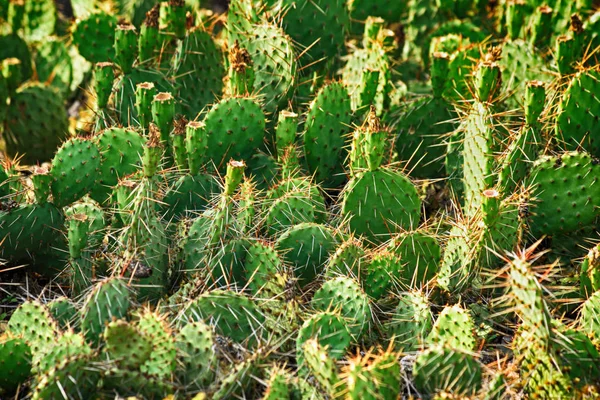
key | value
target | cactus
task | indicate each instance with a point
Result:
(317, 360)
(381, 274)
(107, 300)
(411, 322)
(329, 329)
(69, 375)
(306, 247)
(100, 28)
(199, 69)
(393, 203)
(589, 320)
(279, 384)
(262, 263)
(571, 205)
(126, 345)
(234, 128)
(15, 357)
(34, 324)
(442, 369)
(479, 141)
(347, 259)
(525, 148)
(29, 230)
(453, 329)
(161, 360)
(74, 170)
(67, 345)
(120, 153)
(274, 65)
(373, 376)
(327, 120)
(53, 64)
(33, 106)
(420, 253)
(234, 315)
(195, 344)
(125, 47)
(63, 311)
(376, 62)
(574, 125)
(331, 15)
(346, 295)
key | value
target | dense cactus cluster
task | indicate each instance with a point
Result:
(300, 199)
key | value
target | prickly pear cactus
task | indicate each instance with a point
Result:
(326, 126)
(108, 299)
(563, 193)
(15, 356)
(34, 106)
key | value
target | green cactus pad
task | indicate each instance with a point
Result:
(453, 329)
(35, 124)
(190, 193)
(376, 61)
(420, 134)
(320, 365)
(93, 223)
(346, 260)
(478, 156)
(13, 46)
(420, 253)
(380, 203)
(199, 71)
(108, 299)
(274, 64)
(564, 193)
(345, 294)
(72, 375)
(34, 324)
(331, 16)
(374, 377)
(457, 265)
(126, 345)
(578, 113)
(411, 322)
(135, 383)
(67, 345)
(589, 319)
(235, 129)
(519, 64)
(441, 369)
(327, 125)
(578, 355)
(124, 92)
(291, 209)
(63, 311)
(162, 360)
(262, 263)
(94, 36)
(306, 247)
(237, 382)
(28, 230)
(233, 315)
(329, 329)
(121, 151)
(279, 385)
(74, 170)
(15, 358)
(53, 65)
(381, 274)
(196, 352)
